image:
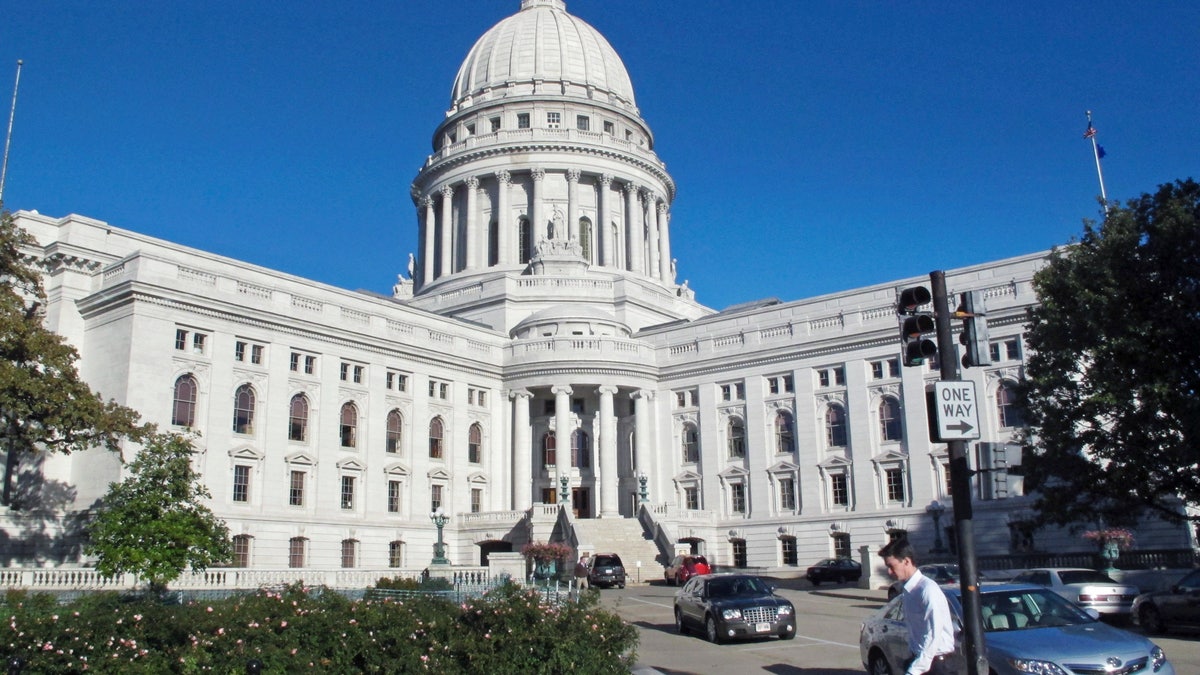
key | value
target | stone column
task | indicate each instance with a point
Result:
(664, 244)
(522, 450)
(474, 239)
(573, 204)
(607, 479)
(503, 227)
(427, 260)
(604, 233)
(652, 268)
(447, 230)
(562, 433)
(642, 433)
(538, 224)
(634, 240)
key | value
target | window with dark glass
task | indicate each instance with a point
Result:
(1006, 406)
(395, 427)
(889, 419)
(739, 553)
(839, 494)
(475, 444)
(241, 550)
(691, 443)
(347, 496)
(787, 547)
(895, 485)
(785, 437)
(298, 418)
(549, 453)
(296, 489)
(435, 497)
(691, 497)
(835, 426)
(395, 554)
(737, 437)
(349, 425)
(243, 410)
(476, 500)
(581, 449)
(349, 552)
(296, 546)
(787, 494)
(435, 438)
(183, 411)
(393, 496)
(241, 483)
(737, 498)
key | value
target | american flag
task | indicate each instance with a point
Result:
(1091, 131)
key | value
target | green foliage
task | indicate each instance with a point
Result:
(297, 630)
(153, 524)
(44, 405)
(1113, 375)
(410, 584)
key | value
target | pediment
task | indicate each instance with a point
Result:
(686, 477)
(396, 469)
(477, 478)
(351, 464)
(439, 474)
(247, 454)
(734, 472)
(837, 462)
(300, 459)
(783, 467)
(890, 457)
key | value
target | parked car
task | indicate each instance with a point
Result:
(1179, 605)
(606, 569)
(733, 607)
(836, 570)
(1028, 629)
(684, 567)
(1087, 588)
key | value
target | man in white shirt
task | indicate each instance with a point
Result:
(927, 613)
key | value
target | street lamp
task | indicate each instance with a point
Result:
(935, 510)
(439, 519)
(642, 491)
(564, 490)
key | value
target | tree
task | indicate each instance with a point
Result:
(44, 405)
(153, 524)
(1112, 390)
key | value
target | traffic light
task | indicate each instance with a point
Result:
(974, 336)
(914, 325)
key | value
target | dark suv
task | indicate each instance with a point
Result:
(606, 569)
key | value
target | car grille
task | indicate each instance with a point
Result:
(759, 614)
(1134, 666)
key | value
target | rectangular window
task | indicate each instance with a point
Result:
(583, 122)
(393, 496)
(495, 124)
(239, 351)
(893, 367)
(359, 374)
(787, 547)
(344, 373)
(294, 362)
(553, 120)
(396, 554)
(895, 485)
(839, 377)
(476, 500)
(198, 342)
(737, 497)
(691, 497)
(470, 129)
(787, 494)
(839, 494)
(726, 392)
(877, 370)
(180, 339)
(578, 407)
(548, 407)
(435, 497)
(609, 127)
(241, 551)
(349, 553)
(397, 381)
(241, 483)
(1006, 350)
(772, 385)
(256, 354)
(841, 545)
(823, 378)
(522, 120)
(739, 553)
(680, 399)
(348, 492)
(310, 365)
(444, 391)
(296, 552)
(296, 491)
(789, 384)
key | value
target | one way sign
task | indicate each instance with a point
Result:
(956, 410)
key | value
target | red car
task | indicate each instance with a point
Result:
(684, 567)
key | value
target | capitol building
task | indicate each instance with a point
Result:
(540, 372)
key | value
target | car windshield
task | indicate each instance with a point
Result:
(737, 586)
(1023, 609)
(1084, 577)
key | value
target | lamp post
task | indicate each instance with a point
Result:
(564, 490)
(935, 510)
(439, 519)
(643, 493)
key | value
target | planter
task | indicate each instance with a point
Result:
(545, 570)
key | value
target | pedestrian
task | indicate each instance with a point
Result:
(581, 572)
(927, 613)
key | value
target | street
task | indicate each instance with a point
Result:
(826, 643)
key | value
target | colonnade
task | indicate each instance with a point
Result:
(605, 468)
(630, 234)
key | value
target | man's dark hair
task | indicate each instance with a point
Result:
(899, 549)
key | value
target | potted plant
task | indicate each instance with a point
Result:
(1112, 541)
(545, 557)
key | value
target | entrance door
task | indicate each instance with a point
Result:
(549, 496)
(581, 502)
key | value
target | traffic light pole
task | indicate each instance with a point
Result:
(960, 487)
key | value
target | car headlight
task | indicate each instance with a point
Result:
(731, 614)
(784, 610)
(1036, 667)
(1157, 657)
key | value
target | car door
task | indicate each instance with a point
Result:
(1183, 604)
(689, 601)
(893, 634)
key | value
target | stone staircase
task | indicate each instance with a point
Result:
(626, 538)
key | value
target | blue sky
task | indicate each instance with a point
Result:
(817, 146)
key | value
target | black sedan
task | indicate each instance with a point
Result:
(1177, 606)
(836, 570)
(733, 607)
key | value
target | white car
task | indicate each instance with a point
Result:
(1087, 588)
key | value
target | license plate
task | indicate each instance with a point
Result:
(762, 628)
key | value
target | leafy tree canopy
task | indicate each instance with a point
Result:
(44, 405)
(1112, 389)
(154, 524)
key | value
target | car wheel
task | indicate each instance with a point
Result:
(710, 630)
(679, 625)
(621, 585)
(815, 581)
(1151, 619)
(879, 665)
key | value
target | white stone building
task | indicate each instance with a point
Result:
(543, 305)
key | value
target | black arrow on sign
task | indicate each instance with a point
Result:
(962, 427)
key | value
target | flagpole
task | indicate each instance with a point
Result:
(12, 112)
(1091, 134)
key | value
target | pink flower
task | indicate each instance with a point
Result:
(283, 624)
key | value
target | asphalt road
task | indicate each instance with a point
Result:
(826, 643)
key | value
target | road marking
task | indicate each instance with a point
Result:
(647, 602)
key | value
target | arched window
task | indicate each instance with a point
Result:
(581, 449)
(298, 418)
(835, 426)
(241, 550)
(691, 443)
(524, 240)
(435, 438)
(889, 419)
(349, 426)
(549, 453)
(785, 436)
(243, 410)
(1006, 406)
(474, 443)
(737, 437)
(183, 413)
(585, 238)
(395, 425)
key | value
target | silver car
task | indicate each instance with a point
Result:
(1028, 629)
(1087, 588)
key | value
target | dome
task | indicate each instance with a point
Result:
(538, 46)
